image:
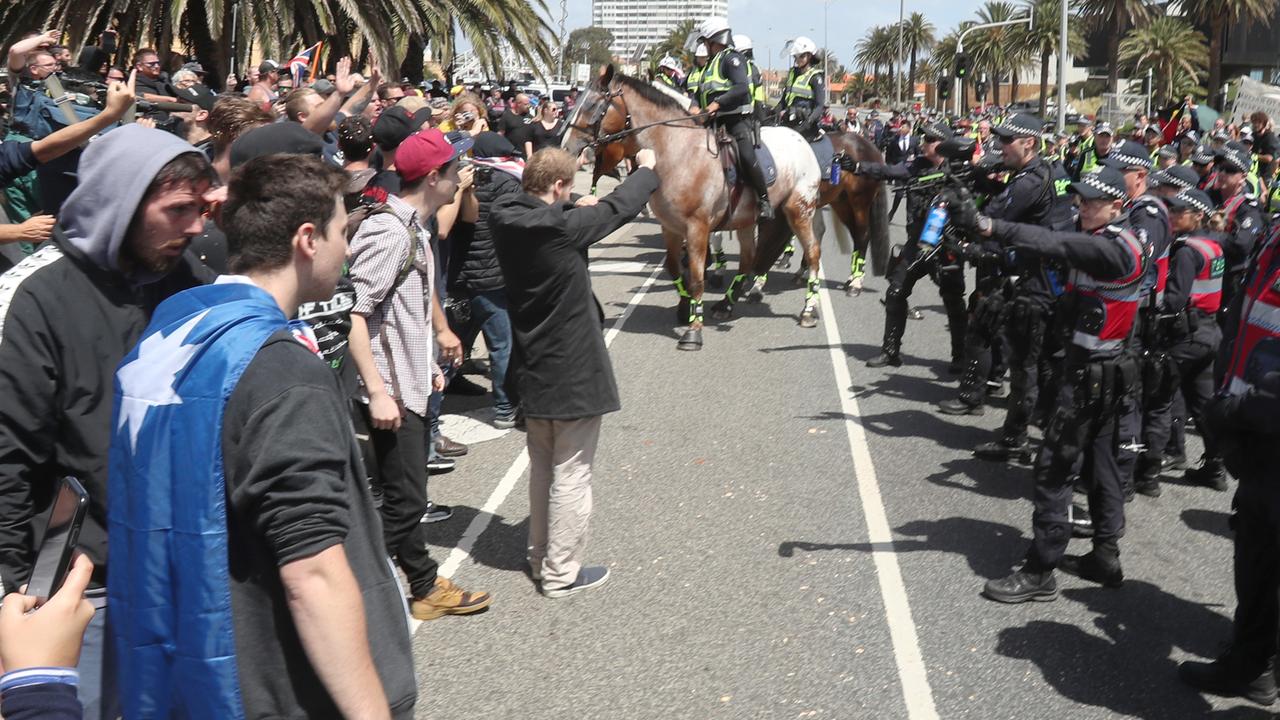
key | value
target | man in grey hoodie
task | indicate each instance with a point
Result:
(68, 314)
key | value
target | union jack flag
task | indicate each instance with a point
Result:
(304, 64)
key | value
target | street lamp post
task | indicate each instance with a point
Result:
(985, 26)
(898, 75)
(826, 53)
(1062, 69)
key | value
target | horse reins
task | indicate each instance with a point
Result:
(629, 128)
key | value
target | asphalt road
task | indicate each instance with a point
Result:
(794, 535)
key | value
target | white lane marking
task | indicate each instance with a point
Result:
(902, 629)
(481, 521)
(619, 266)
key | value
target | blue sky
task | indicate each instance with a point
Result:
(770, 23)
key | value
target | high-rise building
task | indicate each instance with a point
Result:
(644, 23)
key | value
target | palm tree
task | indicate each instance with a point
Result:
(1117, 17)
(676, 43)
(384, 29)
(1044, 38)
(917, 37)
(1167, 46)
(873, 51)
(1000, 49)
(1219, 15)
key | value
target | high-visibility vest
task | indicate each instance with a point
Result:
(1259, 329)
(693, 83)
(800, 86)
(668, 80)
(716, 83)
(757, 84)
(1206, 289)
(1117, 300)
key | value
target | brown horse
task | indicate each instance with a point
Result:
(861, 208)
(693, 199)
(607, 161)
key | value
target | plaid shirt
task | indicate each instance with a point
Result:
(399, 317)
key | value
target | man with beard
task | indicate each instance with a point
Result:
(68, 315)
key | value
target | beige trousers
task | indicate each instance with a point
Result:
(561, 453)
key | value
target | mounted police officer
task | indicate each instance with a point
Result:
(669, 72)
(693, 81)
(743, 44)
(804, 92)
(947, 271)
(1245, 418)
(1187, 330)
(725, 95)
(1030, 197)
(1108, 263)
(1242, 223)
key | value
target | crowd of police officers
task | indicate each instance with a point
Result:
(1127, 288)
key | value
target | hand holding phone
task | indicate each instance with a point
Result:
(60, 537)
(48, 635)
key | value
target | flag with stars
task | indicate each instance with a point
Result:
(167, 516)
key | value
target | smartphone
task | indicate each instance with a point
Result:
(60, 537)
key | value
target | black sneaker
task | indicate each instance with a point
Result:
(1210, 474)
(1148, 486)
(588, 577)
(440, 464)
(996, 389)
(959, 407)
(1022, 587)
(885, 358)
(436, 513)
(1081, 522)
(1089, 567)
(1000, 451)
(1216, 678)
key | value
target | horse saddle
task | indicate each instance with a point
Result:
(729, 160)
(825, 152)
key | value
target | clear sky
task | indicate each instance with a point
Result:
(770, 23)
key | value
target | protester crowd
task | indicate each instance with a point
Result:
(209, 285)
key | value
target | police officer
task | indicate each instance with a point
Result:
(948, 272)
(743, 44)
(804, 92)
(1172, 181)
(1098, 150)
(1107, 264)
(1187, 330)
(725, 95)
(1028, 197)
(1245, 416)
(669, 72)
(1202, 161)
(693, 81)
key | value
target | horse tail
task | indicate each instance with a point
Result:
(878, 237)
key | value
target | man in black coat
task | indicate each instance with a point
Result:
(560, 369)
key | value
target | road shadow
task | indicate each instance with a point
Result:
(927, 425)
(907, 387)
(989, 548)
(501, 546)
(861, 353)
(998, 480)
(1213, 522)
(1129, 671)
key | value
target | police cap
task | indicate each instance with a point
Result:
(1179, 176)
(1127, 157)
(1107, 182)
(1020, 125)
(936, 131)
(1203, 155)
(1190, 199)
(1234, 157)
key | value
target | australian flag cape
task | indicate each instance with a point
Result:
(168, 587)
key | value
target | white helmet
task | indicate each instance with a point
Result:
(702, 51)
(741, 43)
(669, 63)
(802, 45)
(715, 29)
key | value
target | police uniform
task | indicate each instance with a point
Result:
(669, 81)
(948, 271)
(1243, 219)
(1245, 416)
(758, 97)
(1188, 335)
(803, 95)
(693, 83)
(1107, 268)
(725, 81)
(1028, 197)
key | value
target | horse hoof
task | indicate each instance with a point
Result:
(853, 287)
(691, 340)
(809, 318)
(721, 311)
(756, 295)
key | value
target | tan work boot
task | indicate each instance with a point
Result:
(448, 599)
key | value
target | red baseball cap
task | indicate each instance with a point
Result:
(429, 150)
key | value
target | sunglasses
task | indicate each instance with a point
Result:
(153, 63)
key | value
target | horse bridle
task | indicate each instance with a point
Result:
(629, 128)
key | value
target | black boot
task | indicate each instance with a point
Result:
(895, 324)
(969, 401)
(1220, 678)
(1081, 522)
(1022, 586)
(766, 207)
(1003, 451)
(1209, 474)
(1148, 480)
(1092, 567)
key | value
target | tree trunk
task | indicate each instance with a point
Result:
(1217, 26)
(995, 87)
(1113, 55)
(911, 76)
(1044, 82)
(1013, 86)
(411, 68)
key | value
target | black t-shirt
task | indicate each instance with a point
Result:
(155, 87)
(331, 322)
(1267, 144)
(541, 137)
(509, 123)
(294, 489)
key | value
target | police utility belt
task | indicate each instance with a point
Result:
(1106, 381)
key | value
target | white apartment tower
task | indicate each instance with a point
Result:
(640, 23)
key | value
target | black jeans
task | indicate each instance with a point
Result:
(743, 129)
(1257, 543)
(1026, 327)
(400, 458)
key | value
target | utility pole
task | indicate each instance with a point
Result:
(1062, 69)
(897, 94)
(564, 14)
(826, 53)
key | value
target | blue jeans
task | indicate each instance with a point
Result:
(489, 315)
(98, 691)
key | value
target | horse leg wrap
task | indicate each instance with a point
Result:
(680, 289)
(790, 249)
(760, 280)
(720, 260)
(731, 295)
(695, 312)
(856, 265)
(811, 294)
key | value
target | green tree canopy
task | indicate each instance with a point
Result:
(588, 45)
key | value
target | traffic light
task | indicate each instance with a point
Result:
(962, 65)
(980, 88)
(944, 87)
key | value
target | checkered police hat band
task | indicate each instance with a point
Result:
(1093, 181)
